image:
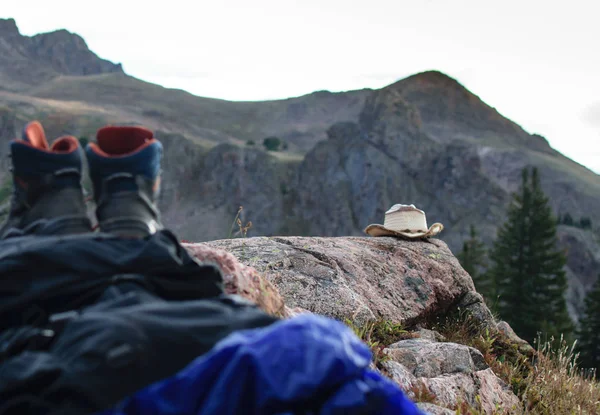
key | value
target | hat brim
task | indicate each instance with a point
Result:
(380, 230)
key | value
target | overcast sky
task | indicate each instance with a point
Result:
(537, 62)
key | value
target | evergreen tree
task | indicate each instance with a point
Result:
(272, 143)
(588, 334)
(568, 219)
(527, 269)
(585, 223)
(473, 259)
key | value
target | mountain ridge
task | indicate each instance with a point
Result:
(30, 60)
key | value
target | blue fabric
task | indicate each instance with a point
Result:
(304, 365)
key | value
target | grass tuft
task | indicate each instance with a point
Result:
(547, 381)
(242, 229)
(421, 393)
(556, 385)
(500, 354)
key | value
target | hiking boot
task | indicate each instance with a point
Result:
(125, 167)
(47, 194)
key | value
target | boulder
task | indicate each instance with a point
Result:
(242, 280)
(524, 347)
(360, 278)
(400, 374)
(432, 409)
(430, 335)
(429, 359)
(451, 373)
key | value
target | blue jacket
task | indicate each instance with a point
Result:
(305, 365)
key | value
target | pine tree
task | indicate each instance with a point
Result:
(588, 335)
(568, 219)
(527, 268)
(473, 259)
(585, 223)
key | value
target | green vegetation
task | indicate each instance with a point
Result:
(272, 143)
(566, 220)
(547, 380)
(242, 229)
(527, 269)
(284, 189)
(556, 385)
(5, 190)
(583, 222)
(589, 330)
(527, 275)
(378, 335)
(508, 361)
(473, 258)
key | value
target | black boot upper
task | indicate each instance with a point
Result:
(47, 191)
(125, 166)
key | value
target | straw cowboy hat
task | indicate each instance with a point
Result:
(404, 220)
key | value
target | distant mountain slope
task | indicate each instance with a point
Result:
(28, 61)
(301, 120)
(425, 139)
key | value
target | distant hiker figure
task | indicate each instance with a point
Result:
(406, 221)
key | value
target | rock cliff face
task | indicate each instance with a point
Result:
(27, 61)
(231, 177)
(451, 372)
(390, 154)
(363, 280)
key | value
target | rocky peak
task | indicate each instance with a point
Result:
(8, 28)
(393, 124)
(69, 54)
(12, 46)
(434, 78)
(26, 61)
(448, 110)
(388, 105)
(61, 36)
